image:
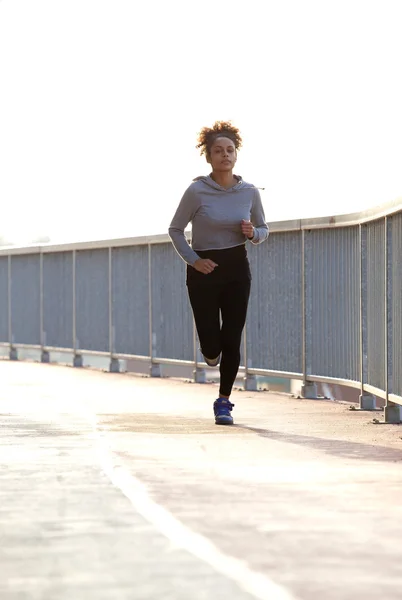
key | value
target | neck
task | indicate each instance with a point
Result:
(226, 179)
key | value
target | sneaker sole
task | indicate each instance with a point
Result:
(211, 364)
(214, 362)
(224, 420)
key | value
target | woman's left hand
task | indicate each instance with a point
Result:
(247, 229)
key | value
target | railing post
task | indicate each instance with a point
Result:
(309, 389)
(199, 373)
(44, 357)
(155, 368)
(77, 359)
(114, 365)
(366, 400)
(250, 381)
(392, 412)
(13, 352)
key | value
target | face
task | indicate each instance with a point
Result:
(222, 155)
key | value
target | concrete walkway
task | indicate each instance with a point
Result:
(121, 487)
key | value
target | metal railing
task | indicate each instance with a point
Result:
(325, 306)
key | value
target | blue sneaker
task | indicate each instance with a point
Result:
(222, 408)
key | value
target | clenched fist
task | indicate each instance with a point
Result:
(204, 265)
(247, 229)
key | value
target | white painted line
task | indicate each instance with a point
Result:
(256, 584)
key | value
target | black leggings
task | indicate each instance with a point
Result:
(223, 297)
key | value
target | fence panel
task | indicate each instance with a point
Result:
(376, 304)
(397, 303)
(92, 300)
(130, 300)
(332, 271)
(4, 299)
(274, 321)
(172, 321)
(25, 299)
(58, 299)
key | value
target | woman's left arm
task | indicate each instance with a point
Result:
(261, 230)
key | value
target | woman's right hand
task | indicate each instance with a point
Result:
(204, 265)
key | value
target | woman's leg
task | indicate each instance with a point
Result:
(204, 302)
(233, 302)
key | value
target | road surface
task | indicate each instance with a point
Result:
(114, 486)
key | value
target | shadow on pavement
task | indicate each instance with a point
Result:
(335, 447)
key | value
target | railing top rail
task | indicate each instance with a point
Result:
(328, 222)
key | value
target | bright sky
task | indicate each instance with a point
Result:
(101, 102)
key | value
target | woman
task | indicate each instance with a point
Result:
(224, 211)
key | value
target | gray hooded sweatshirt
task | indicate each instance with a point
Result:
(215, 214)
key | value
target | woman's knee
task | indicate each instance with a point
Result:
(231, 347)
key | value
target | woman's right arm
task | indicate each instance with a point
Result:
(183, 216)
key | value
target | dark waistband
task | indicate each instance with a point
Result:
(226, 254)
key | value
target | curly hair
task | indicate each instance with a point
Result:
(208, 135)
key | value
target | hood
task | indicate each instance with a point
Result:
(240, 185)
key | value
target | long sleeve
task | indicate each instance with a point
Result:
(183, 216)
(261, 230)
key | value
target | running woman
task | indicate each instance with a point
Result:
(224, 212)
